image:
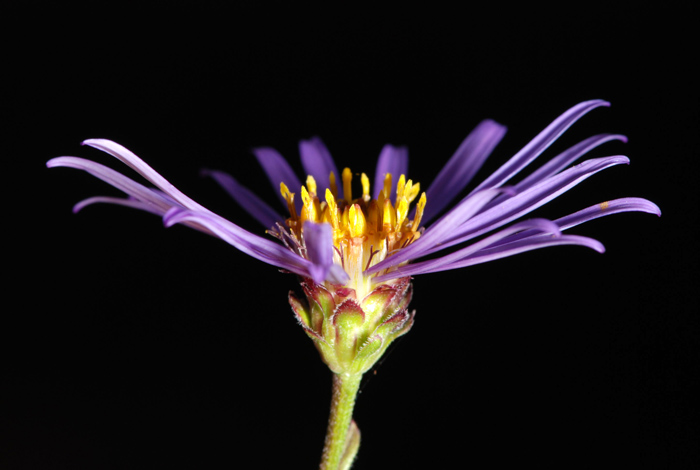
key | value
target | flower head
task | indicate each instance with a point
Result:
(356, 253)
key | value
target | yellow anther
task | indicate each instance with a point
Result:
(419, 212)
(387, 185)
(400, 185)
(284, 190)
(305, 197)
(333, 186)
(289, 197)
(308, 211)
(411, 191)
(343, 219)
(365, 187)
(389, 219)
(373, 219)
(380, 210)
(332, 209)
(356, 221)
(311, 185)
(347, 185)
(401, 212)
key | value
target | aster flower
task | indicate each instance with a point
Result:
(355, 254)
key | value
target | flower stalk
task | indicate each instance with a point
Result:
(342, 435)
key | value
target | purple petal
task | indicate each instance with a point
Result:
(529, 200)
(318, 162)
(504, 251)
(337, 275)
(434, 265)
(318, 240)
(136, 190)
(533, 243)
(133, 203)
(462, 166)
(539, 144)
(439, 230)
(248, 200)
(278, 171)
(392, 160)
(561, 161)
(617, 206)
(127, 157)
(628, 204)
(249, 243)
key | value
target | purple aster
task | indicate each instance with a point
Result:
(355, 255)
(360, 242)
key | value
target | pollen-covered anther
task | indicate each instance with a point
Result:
(356, 221)
(289, 197)
(401, 213)
(387, 185)
(311, 185)
(310, 210)
(331, 212)
(347, 185)
(420, 207)
(365, 187)
(389, 220)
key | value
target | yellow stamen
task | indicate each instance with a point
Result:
(333, 185)
(347, 185)
(411, 191)
(356, 221)
(308, 211)
(372, 217)
(332, 209)
(389, 216)
(400, 187)
(387, 185)
(289, 197)
(311, 185)
(380, 208)
(365, 187)
(401, 213)
(419, 212)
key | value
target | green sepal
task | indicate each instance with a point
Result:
(393, 324)
(348, 320)
(301, 311)
(369, 353)
(321, 304)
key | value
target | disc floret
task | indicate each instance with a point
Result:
(365, 230)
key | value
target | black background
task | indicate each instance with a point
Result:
(128, 345)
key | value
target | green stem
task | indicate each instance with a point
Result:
(340, 433)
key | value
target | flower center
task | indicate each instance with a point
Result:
(365, 230)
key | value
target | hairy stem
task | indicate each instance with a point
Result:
(342, 439)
